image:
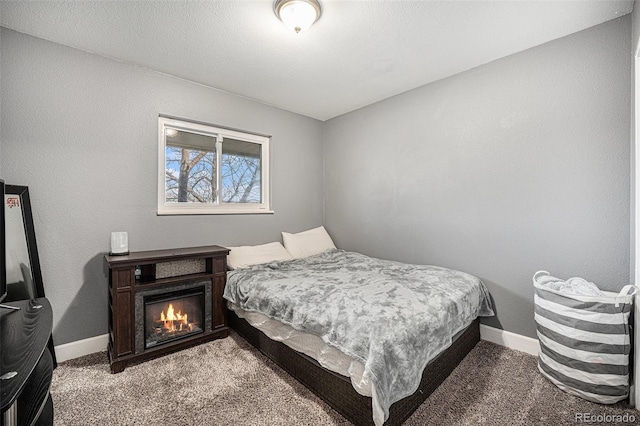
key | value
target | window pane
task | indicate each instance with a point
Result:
(204, 169)
(190, 171)
(241, 172)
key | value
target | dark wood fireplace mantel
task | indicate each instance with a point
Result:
(149, 273)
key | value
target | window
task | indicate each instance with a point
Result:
(204, 169)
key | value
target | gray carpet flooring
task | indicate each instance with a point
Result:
(228, 382)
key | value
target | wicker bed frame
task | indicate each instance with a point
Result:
(337, 391)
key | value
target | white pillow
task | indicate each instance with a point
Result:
(307, 243)
(245, 256)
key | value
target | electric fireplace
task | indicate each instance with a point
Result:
(172, 316)
(162, 301)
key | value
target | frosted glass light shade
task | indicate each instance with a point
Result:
(297, 15)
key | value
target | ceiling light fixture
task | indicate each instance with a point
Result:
(297, 15)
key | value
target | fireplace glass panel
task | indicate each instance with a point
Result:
(172, 316)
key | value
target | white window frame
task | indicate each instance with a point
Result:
(219, 133)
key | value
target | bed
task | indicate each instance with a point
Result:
(373, 338)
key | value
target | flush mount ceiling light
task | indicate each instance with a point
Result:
(297, 15)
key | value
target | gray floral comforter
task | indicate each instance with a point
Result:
(393, 317)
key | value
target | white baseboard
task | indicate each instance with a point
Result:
(510, 340)
(81, 347)
(501, 337)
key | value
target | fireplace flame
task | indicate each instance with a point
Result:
(173, 321)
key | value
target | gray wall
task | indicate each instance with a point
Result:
(81, 131)
(518, 165)
(515, 166)
(635, 40)
(635, 20)
(1, 175)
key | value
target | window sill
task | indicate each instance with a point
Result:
(182, 212)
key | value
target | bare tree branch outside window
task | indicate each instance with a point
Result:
(190, 174)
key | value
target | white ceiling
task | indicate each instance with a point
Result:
(359, 52)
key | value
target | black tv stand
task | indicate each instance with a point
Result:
(26, 364)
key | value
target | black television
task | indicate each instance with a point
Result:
(3, 255)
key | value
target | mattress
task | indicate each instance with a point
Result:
(311, 345)
(314, 347)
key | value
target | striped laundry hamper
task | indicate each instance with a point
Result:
(584, 340)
